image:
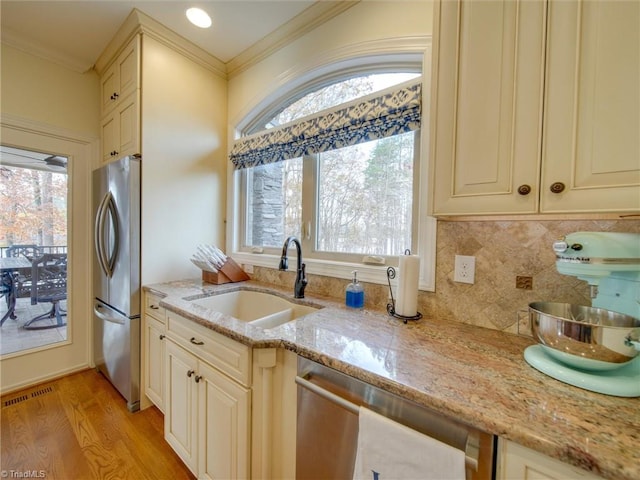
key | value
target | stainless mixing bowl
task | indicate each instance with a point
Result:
(585, 337)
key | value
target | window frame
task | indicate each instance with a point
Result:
(424, 230)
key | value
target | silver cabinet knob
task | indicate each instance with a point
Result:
(560, 246)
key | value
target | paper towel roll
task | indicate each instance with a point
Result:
(408, 283)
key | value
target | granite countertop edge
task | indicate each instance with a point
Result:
(501, 403)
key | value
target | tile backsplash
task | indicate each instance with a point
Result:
(503, 250)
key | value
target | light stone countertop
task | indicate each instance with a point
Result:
(476, 375)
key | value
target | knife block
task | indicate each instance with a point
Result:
(230, 272)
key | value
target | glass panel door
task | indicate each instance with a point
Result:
(33, 249)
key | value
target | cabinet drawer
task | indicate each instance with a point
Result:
(229, 356)
(152, 307)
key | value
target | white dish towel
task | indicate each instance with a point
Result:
(390, 451)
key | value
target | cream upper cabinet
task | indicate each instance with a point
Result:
(122, 77)
(486, 105)
(121, 129)
(530, 98)
(121, 104)
(591, 142)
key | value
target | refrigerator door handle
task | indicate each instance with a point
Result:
(97, 309)
(107, 207)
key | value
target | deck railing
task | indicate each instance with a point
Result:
(41, 248)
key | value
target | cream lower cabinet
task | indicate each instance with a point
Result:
(153, 353)
(207, 413)
(535, 107)
(516, 461)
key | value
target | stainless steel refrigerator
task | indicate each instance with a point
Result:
(116, 276)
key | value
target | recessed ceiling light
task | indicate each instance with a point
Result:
(199, 17)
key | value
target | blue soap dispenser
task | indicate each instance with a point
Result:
(354, 293)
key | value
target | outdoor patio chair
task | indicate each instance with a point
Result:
(5, 287)
(23, 279)
(49, 284)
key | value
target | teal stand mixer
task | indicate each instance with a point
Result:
(596, 348)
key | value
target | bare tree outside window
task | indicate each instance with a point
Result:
(364, 193)
(33, 207)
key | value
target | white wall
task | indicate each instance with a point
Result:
(42, 91)
(52, 109)
(184, 160)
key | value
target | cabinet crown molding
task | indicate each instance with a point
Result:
(138, 22)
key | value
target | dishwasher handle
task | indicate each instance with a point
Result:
(472, 447)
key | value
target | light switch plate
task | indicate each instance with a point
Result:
(465, 269)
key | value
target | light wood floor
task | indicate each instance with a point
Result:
(78, 428)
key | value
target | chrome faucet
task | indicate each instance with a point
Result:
(301, 278)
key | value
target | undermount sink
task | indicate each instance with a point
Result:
(260, 309)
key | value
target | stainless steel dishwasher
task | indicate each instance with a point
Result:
(327, 425)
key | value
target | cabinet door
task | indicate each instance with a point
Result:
(592, 107)
(129, 68)
(224, 419)
(109, 82)
(121, 130)
(181, 406)
(122, 77)
(110, 138)
(516, 461)
(486, 106)
(154, 361)
(128, 112)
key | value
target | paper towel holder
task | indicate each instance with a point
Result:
(391, 307)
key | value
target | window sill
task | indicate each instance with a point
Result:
(366, 273)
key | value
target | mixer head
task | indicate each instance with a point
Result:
(592, 256)
(609, 262)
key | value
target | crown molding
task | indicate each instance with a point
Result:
(23, 124)
(15, 40)
(139, 22)
(309, 19)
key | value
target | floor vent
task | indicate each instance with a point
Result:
(26, 396)
(15, 400)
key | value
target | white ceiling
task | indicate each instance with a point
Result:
(76, 32)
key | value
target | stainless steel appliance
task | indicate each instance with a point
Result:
(595, 348)
(327, 424)
(116, 276)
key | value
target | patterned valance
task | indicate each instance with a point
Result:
(376, 116)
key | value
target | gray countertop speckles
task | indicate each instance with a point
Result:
(476, 375)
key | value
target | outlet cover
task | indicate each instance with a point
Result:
(465, 269)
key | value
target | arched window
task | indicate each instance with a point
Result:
(338, 167)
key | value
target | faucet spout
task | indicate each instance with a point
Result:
(301, 277)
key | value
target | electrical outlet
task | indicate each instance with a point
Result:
(465, 269)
